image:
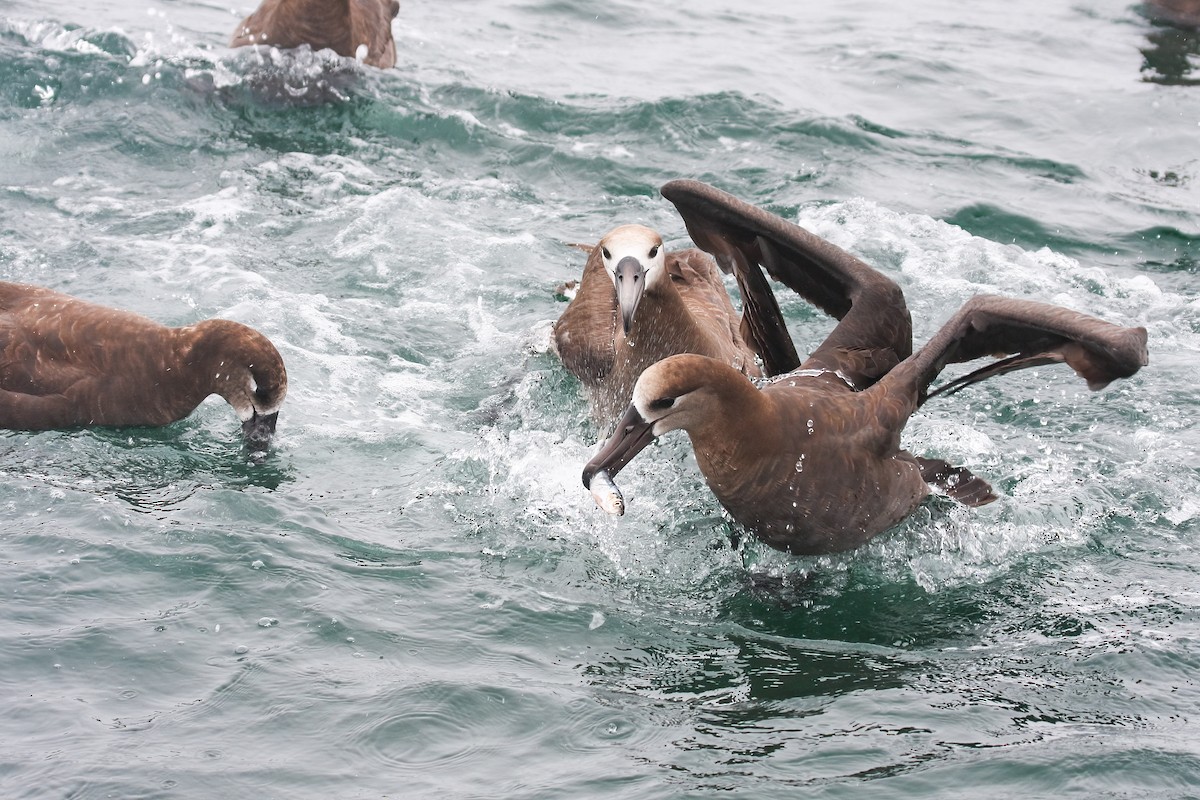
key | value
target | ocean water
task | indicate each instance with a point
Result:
(414, 596)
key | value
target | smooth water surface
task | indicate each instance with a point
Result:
(414, 596)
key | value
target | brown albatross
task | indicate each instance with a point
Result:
(67, 363)
(638, 303)
(344, 26)
(812, 462)
(1184, 13)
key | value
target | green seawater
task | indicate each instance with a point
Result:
(414, 597)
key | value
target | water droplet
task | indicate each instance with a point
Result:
(241, 650)
(256, 564)
(267, 622)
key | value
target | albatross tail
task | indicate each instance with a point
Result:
(957, 482)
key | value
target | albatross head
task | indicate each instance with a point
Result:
(248, 372)
(633, 257)
(688, 392)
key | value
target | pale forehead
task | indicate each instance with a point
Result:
(661, 379)
(644, 391)
(627, 237)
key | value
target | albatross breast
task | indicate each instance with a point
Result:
(637, 304)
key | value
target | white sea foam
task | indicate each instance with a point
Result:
(940, 266)
(53, 36)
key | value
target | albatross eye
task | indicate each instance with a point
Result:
(605, 253)
(662, 403)
(654, 251)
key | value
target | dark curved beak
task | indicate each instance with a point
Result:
(630, 438)
(631, 283)
(258, 430)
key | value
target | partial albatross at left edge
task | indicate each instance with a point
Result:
(68, 363)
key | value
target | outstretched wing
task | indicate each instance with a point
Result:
(1024, 333)
(875, 331)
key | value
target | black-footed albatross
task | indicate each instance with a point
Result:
(638, 303)
(811, 462)
(353, 28)
(67, 363)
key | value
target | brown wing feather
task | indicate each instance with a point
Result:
(34, 358)
(55, 370)
(1033, 333)
(699, 284)
(585, 333)
(871, 309)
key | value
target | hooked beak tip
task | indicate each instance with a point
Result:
(630, 280)
(630, 437)
(258, 430)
